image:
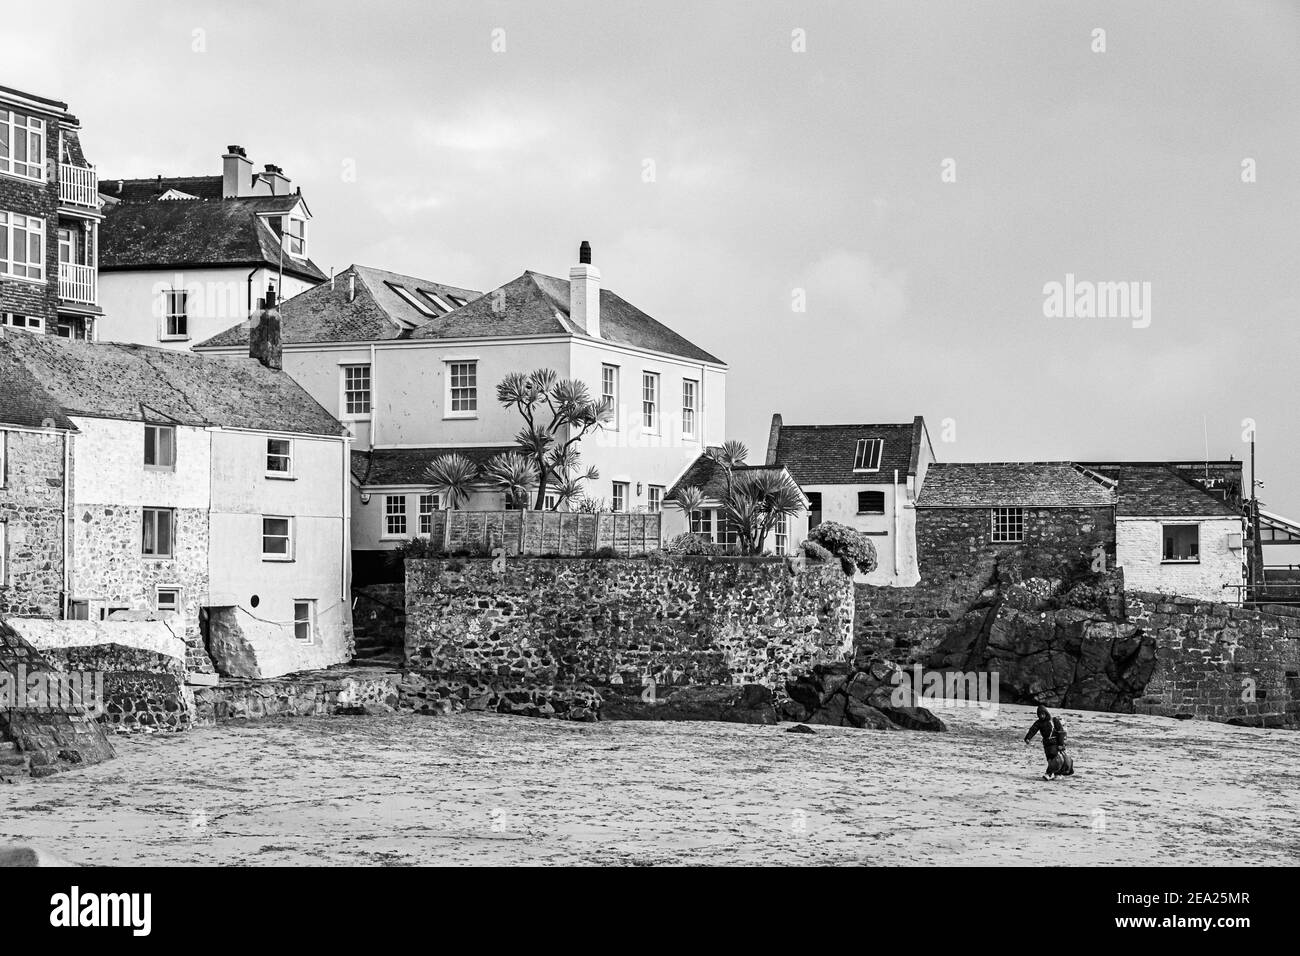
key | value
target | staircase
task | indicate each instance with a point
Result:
(13, 765)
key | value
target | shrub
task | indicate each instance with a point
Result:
(605, 553)
(690, 543)
(815, 552)
(413, 548)
(854, 549)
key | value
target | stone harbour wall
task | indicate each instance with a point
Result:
(338, 691)
(525, 633)
(1233, 664)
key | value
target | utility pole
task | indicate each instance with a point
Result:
(1256, 550)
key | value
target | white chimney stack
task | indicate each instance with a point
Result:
(236, 173)
(584, 293)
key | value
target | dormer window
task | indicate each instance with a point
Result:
(866, 457)
(295, 236)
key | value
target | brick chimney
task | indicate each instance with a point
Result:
(236, 173)
(264, 335)
(584, 293)
(773, 438)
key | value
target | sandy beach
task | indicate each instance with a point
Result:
(486, 789)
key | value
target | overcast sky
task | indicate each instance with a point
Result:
(718, 169)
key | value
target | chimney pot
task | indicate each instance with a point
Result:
(236, 151)
(584, 253)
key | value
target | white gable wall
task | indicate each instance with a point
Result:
(1139, 550)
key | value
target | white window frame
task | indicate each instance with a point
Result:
(781, 535)
(290, 238)
(30, 226)
(158, 592)
(1007, 525)
(866, 451)
(426, 507)
(616, 487)
(288, 536)
(308, 617)
(389, 513)
(654, 496)
(4, 553)
(144, 454)
(690, 406)
(4, 459)
(64, 329)
(174, 315)
(287, 474)
(609, 375)
(450, 397)
(171, 534)
(369, 392)
(650, 402)
(28, 323)
(32, 126)
(1180, 524)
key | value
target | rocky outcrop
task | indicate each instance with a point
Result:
(872, 696)
(1052, 641)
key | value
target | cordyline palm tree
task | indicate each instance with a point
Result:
(550, 444)
(752, 501)
(514, 473)
(453, 477)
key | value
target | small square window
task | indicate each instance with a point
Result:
(279, 458)
(168, 599)
(871, 502)
(1182, 543)
(1008, 525)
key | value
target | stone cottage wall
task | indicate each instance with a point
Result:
(1239, 665)
(561, 627)
(31, 508)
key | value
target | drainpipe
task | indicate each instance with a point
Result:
(374, 395)
(895, 524)
(249, 283)
(69, 524)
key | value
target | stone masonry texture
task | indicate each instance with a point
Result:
(31, 508)
(547, 634)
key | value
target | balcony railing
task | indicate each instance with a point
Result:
(77, 283)
(78, 185)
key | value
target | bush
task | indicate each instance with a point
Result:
(604, 553)
(854, 549)
(414, 548)
(690, 543)
(815, 552)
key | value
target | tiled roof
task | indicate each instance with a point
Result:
(1160, 491)
(823, 454)
(147, 190)
(193, 233)
(23, 402)
(376, 313)
(405, 466)
(138, 383)
(536, 304)
(705, 474)
(1011, 484)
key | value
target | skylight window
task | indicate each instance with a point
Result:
(438, 300)
(866, 457)
(409, 298)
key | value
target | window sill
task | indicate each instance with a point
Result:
(173, 338)
(355, 418)
(278, 559)
(14, 278)
(161, 469)
(880, 514)
(278, 476)
(158, 557)
(1180, 560)
(460, 418)
(19, 177)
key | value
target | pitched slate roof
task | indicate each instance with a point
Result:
(405, 466)
(1160, 491)
(194, 233)
(138, 383)
(147, 190)
(703, 473)
(376, 312)
(537, 304)
(23, 402)
(1057, 484)
(823, 454)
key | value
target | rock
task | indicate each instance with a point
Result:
(479, 702)
(864, 716)
(743, 704)
(800, 729)
(15, 856)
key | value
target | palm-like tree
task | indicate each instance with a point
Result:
(453, 477)
(753, 501)
(513, 472)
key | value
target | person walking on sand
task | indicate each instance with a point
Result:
(1059, 763)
